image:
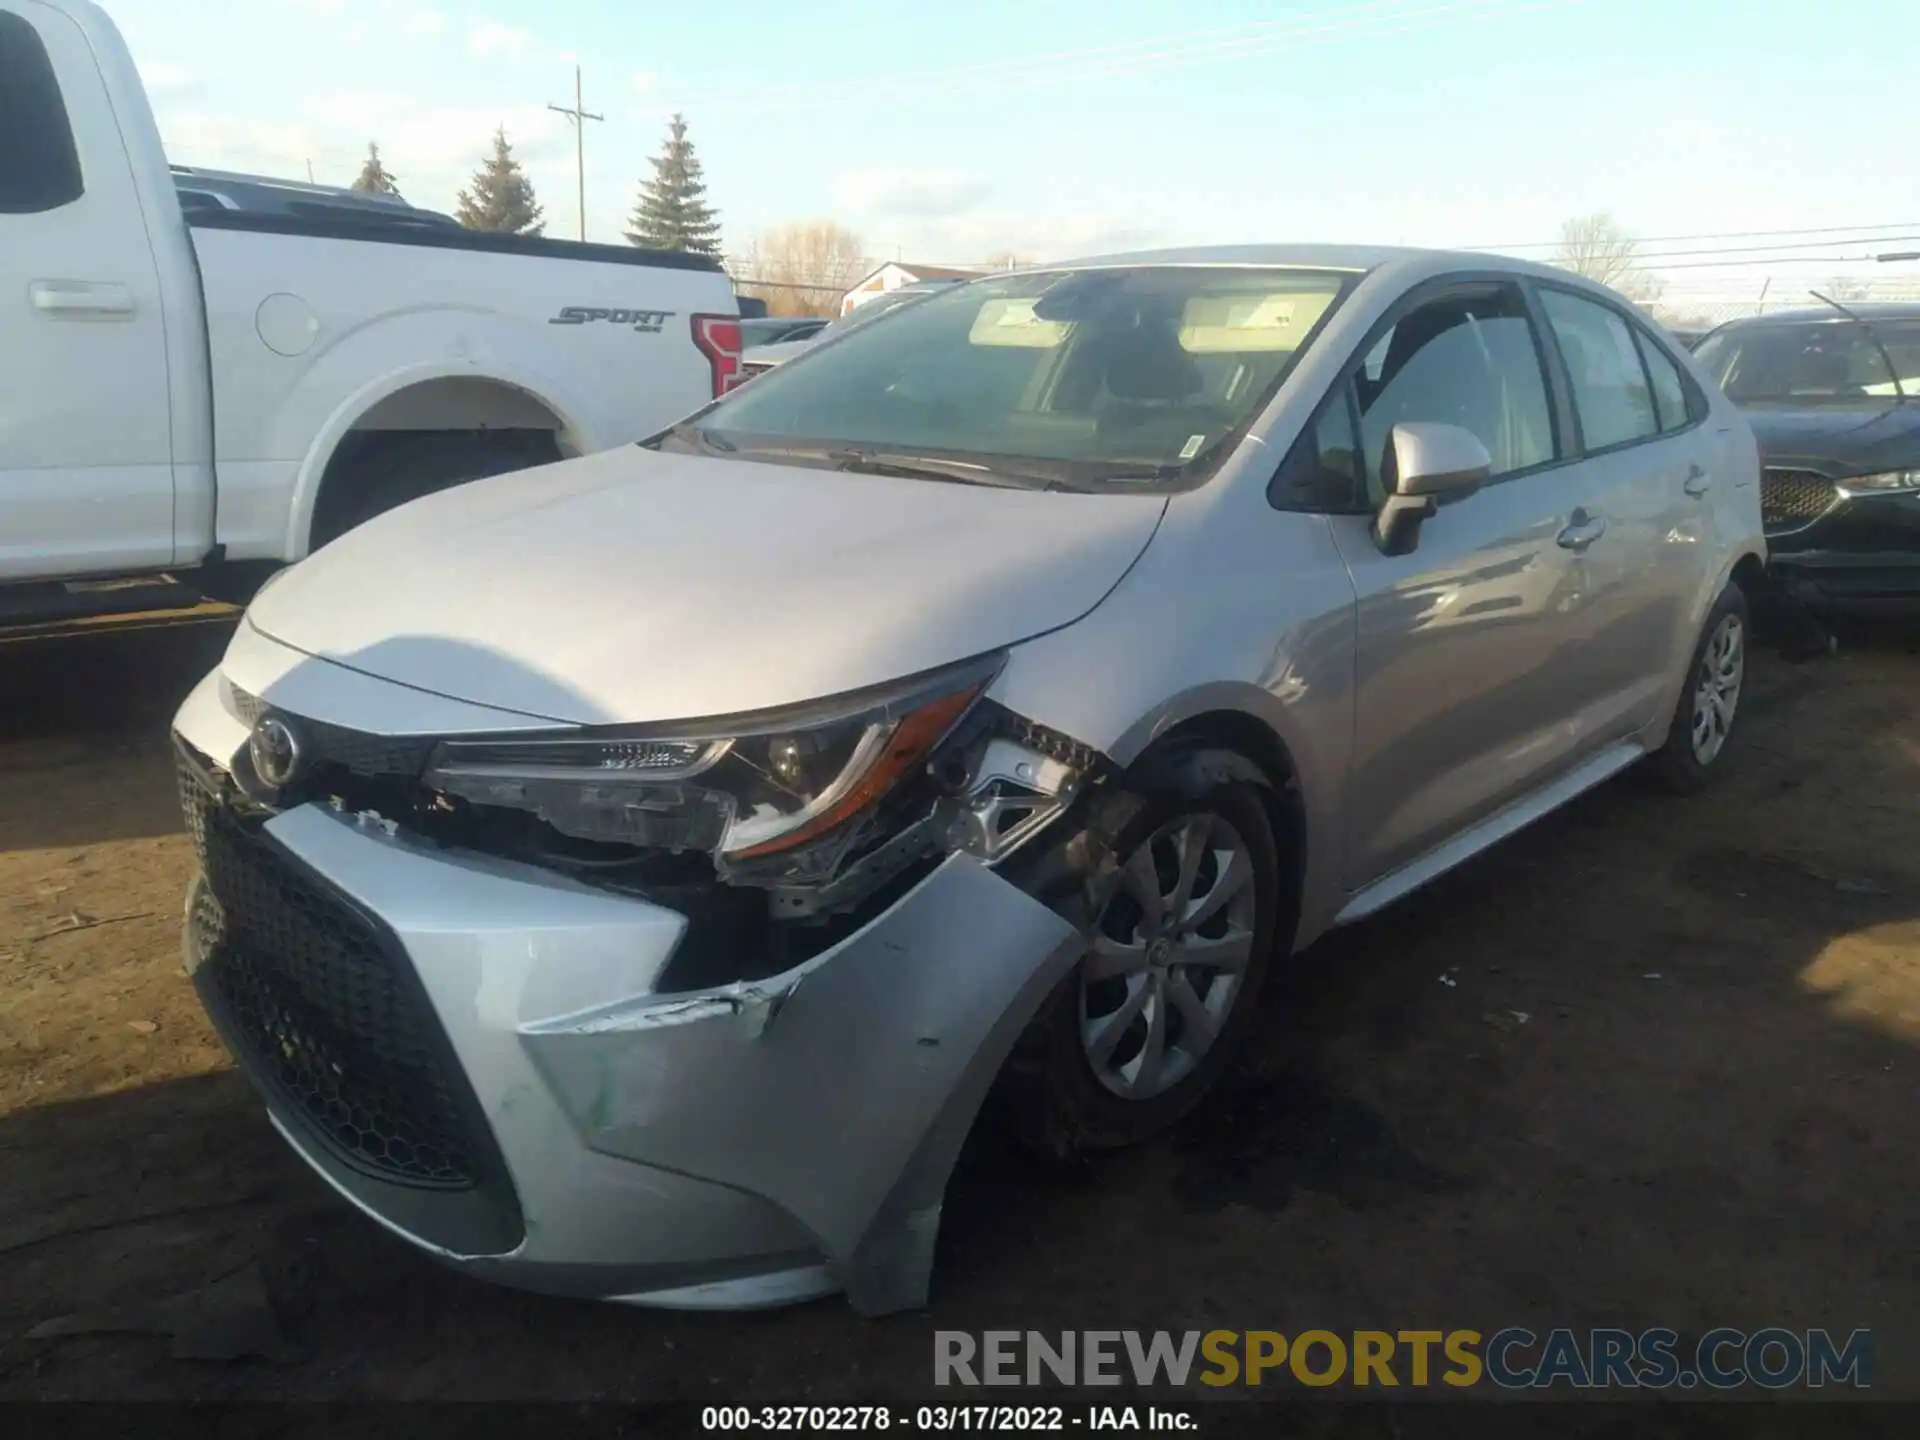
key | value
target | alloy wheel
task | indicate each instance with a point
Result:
(1716, 692)
(1168, 955)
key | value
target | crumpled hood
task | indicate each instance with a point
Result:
(1840, 439)
(634, 586)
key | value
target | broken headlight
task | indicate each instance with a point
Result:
(742, 788)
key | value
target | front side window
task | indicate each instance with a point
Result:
(1466, 359)
(1610, 390)
(1814, 362)
(1321, 473)
(39, 168)
(1142, 376)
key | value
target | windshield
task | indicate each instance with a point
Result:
(873, 309)
(1137, 373)
(1815, 362)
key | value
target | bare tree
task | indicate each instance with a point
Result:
(802, 268)
(1005, 260)
(1596, 247)
(1844, 288)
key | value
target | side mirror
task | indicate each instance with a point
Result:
(1426, 464)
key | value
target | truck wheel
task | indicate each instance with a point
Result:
(1709, 701)
(385, 469)
(1177, 949)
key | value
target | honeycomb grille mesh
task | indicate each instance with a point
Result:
(338, 1028)
(1794, 499)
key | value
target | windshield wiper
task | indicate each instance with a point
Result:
(691, 435)
(1872, 334)
(935, 467)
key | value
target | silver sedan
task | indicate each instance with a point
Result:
(628, 878)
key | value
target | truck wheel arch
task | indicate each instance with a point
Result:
(427, 389)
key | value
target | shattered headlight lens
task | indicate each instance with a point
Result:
(1883, 483)
(741, 788)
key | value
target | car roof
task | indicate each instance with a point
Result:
(1360, 259)
(1826, 314)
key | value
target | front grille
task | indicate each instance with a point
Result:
(353, 750)
(1793, 499)
(334, 1019)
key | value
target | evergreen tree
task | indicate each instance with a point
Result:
(501, 198)
(374, 177)
(672, 213)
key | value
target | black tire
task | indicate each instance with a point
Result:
(378, 471)
(1682, 765)
(1050, 1092)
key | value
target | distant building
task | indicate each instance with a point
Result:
(893, 276)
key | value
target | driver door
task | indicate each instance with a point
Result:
(1468, 674)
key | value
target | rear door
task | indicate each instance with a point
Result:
(1650, 466)
(1468, 683)
(86, 479)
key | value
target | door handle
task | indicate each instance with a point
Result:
(1698, 482)
(80, 297)
(1584, 530)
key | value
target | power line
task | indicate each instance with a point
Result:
(1765, 260)
(1723, 235)
(1760, 249)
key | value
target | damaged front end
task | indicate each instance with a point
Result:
(732, 977)
(776, 834)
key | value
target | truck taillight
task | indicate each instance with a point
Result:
(718, 338)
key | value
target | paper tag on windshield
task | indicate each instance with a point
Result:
(1192, 447)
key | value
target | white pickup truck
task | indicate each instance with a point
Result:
(194, 396)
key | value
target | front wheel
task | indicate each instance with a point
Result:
(1137, 1034)
(1709, 703)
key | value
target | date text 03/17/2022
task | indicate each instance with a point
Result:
(940, 1419)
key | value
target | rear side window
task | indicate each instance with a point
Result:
(39, 169)
(1610, 388)
(1669, 390)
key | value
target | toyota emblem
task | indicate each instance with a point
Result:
(274, 748)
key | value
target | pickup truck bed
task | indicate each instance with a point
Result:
(184, 394)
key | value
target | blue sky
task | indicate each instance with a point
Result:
(950, 132)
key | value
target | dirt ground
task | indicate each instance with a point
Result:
(1652, 1063)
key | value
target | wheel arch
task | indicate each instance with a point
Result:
(1222, 744)
(424, 389)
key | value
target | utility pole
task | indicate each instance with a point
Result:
(579, 118)
(310, 172)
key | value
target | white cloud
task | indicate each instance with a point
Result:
(432, 151)
(357, 109)
(194, 137)
(970, 238)
(424, 22)
(645, 80)
(917, 193)
(164, 77)
(492, 38)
